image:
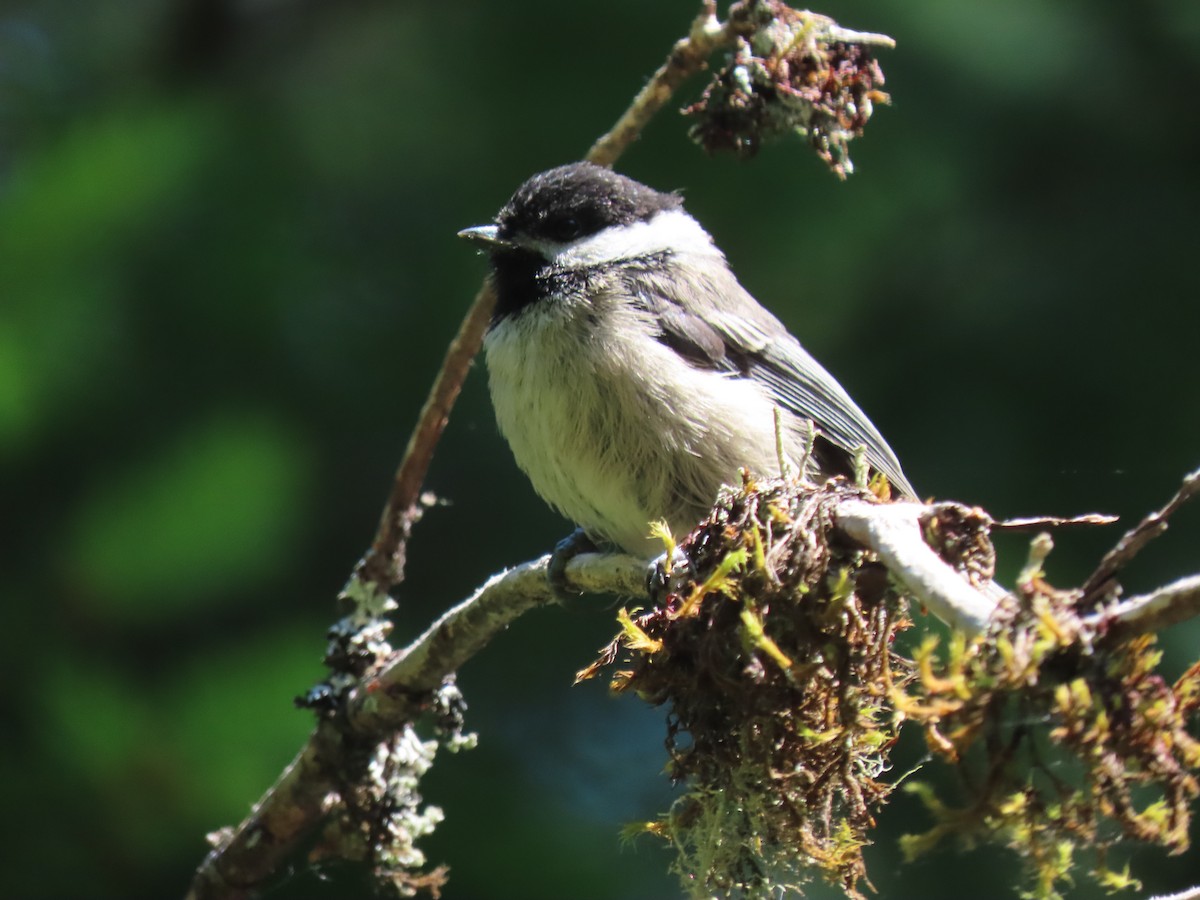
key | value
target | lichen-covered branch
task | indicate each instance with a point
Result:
(392, 693)
(244, 859)
(1189, 894)
(385, 699)
(1168, 605)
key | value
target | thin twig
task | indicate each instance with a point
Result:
(383, 566)
(1023, 522)
(687, 57)
(1099, 583)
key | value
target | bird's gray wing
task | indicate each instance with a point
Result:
(732, 333)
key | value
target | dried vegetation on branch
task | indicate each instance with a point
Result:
(772, 648)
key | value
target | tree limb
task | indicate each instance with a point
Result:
(1168, 605)
(391, 696)
(893, 531)
(384, 701)
(242, 859)
(1189, 894)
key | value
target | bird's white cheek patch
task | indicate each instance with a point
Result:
(670, 231)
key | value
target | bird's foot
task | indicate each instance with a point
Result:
(665, 574)
(567, 549)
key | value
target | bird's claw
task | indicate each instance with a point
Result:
(663, 575)
(567, 549)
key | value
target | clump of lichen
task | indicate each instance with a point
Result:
(1064, 741)
(792, 72)
(771, 647)
(379, 814)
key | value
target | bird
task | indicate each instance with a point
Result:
(631, 373)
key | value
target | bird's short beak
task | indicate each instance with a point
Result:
(487, 235)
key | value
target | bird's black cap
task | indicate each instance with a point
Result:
(577, 200)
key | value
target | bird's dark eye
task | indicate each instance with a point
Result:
(564, 228)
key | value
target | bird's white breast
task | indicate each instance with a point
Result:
(617, 433)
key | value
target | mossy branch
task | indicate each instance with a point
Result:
(772, 648)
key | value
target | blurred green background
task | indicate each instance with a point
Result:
(228, 271)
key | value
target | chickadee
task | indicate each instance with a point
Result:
(632, 374)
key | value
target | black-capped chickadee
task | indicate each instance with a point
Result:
(632, 374)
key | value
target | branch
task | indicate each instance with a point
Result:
(891, 530)
(1189, 894)
(244, 859)
(386, 699)
(1136, 538)
(687, 57)
(894, 532)
(393, 695)
(386, 702)
(1168, 605)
